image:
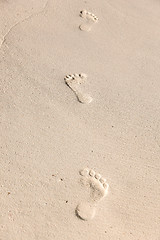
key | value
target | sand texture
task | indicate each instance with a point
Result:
(70, 170)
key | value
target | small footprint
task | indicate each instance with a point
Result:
(73, 81)
(91, 19)
(98, 190)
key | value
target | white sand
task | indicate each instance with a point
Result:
(47, 136)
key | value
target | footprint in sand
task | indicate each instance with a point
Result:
(74, 81)
(98, 190)
(91, 20)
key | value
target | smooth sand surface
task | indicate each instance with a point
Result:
(47, 136)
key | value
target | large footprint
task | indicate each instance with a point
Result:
(98, 190)
(73, 81)
(91, 20)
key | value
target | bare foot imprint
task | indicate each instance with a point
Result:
(73, 81)
(98, 190)
(91, 19)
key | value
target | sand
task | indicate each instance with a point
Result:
(48, 136)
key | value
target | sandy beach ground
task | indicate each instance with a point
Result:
(48, 136)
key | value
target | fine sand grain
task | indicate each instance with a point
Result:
(47, 136)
